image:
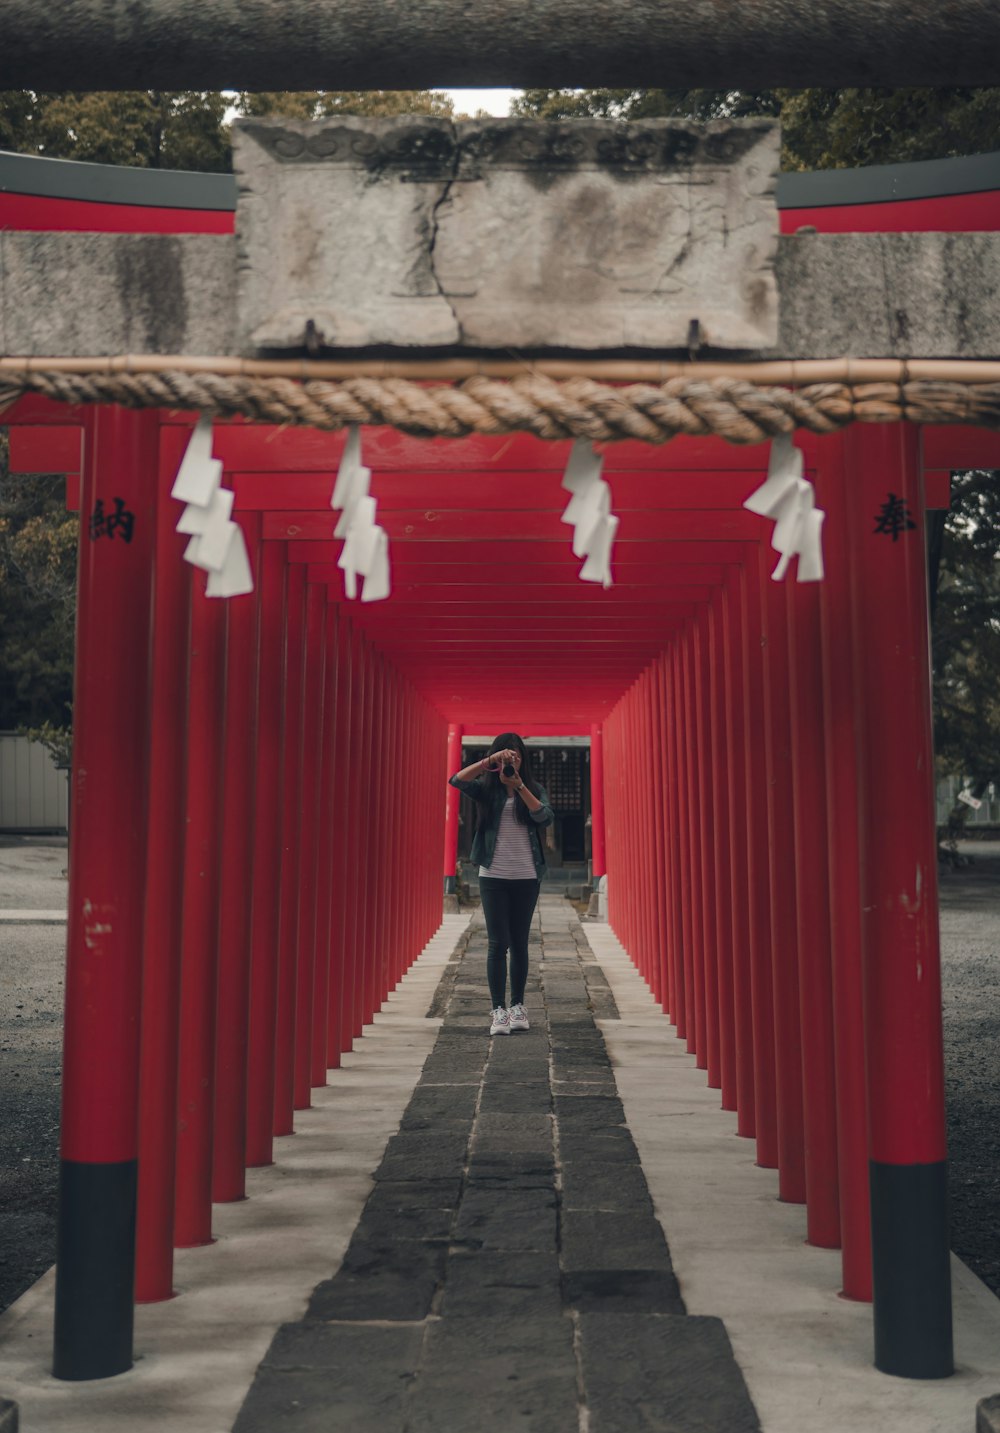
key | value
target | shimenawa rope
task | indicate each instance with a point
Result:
(732, 408)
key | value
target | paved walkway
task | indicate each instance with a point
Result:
(508, 1266)
(463, 1231)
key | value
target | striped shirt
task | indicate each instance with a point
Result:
(512, 859)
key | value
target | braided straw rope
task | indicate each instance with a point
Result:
(578, 407)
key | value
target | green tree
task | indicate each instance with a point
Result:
(37, 599)
(965, 634)
(821, 129)
(150, 129)
(320, 104)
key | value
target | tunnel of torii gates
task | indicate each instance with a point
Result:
(260, 811)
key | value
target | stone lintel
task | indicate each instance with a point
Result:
(505, 234)
(863, 295)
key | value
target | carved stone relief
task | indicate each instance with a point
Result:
(422, 232)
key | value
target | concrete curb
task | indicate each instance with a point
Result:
(21, 917)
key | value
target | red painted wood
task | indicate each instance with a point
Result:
(318, 1060)
(36, 211)
(161, 940)
(524, 531)
(489, 498)
(754, 834)
(719, 856)
(268, 779)
(109, 794)
(899, 852)
(952, 447)
(834, 482)
(781, 872)
(478, 550)
(291, 805)
(948, 214)
(236, 876)
(313, 668)
(735, 856)
(812, 906)
(341, 874)
(45, 449)
(200, 929)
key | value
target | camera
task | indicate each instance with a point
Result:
(508, 770)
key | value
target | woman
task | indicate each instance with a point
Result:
(513, 808)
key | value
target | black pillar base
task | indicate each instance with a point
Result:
(449, 885)
(911, 1269)
(95, 1269)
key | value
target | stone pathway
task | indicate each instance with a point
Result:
(508, 1267)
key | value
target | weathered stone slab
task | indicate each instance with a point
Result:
(924, 295)
(420, 232)
(525, 1380)
(613, 1291)
(339, 1379)
(516, 1219)
(587, 1184)
(657, 1372)
(599, 1239)
(503, 1285)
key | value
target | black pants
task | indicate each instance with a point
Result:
(508, 907)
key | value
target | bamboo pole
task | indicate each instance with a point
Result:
(786, 372)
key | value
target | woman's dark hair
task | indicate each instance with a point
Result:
(511, 740)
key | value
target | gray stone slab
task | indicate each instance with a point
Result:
(333, 1379)
(379, 1226)
(503, 1122)
(505, 233)
(435, 1101)
(662, 1373)
(611, 1239)
(507, 1285)
(523, 1379)
(595, 1112)
(612, 1291)
(378, 1282)
(611, 1145)
(414, 1194)
(522, 1219)
(516, 1097)
(115, 293)
(423, 1154)
(589, 1185)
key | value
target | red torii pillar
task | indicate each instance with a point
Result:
(99, 1139)
(901, 953)
(452, 798)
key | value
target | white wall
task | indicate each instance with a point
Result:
(34, 794)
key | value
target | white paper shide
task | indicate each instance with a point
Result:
(790, 500)
(366, 545)
(589, 513)
(216, 542)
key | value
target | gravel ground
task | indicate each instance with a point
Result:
(970, 959)
(31, 1004)
(31, 996)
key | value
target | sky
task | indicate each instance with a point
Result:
(493, 101)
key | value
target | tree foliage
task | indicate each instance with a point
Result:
(821, 129)
(148, 129)
(966, 632)
(321, 104)
(158, 129)
(37, 599)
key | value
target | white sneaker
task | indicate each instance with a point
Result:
(518, 1018)
(500, 1022)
